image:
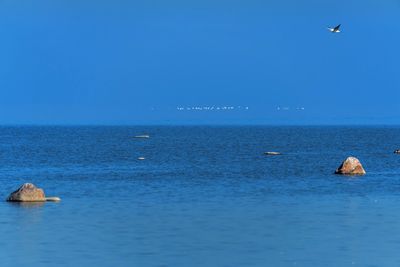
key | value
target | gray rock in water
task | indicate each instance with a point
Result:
(53, 199)
(272, 153)
(142, 136)
(27, 193)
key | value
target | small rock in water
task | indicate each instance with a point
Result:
(351, 166)
(27, 193)
(53, 199)
(142, 136)
(272, 153)
(397, 151)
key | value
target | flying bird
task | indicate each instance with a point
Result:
(335, 30)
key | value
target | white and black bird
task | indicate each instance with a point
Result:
(335, 29)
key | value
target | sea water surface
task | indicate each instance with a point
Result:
(204, 196)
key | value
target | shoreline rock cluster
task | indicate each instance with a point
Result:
(28, 192)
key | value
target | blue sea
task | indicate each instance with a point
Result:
(203, 196)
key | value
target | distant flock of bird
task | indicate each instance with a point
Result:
(212, 108)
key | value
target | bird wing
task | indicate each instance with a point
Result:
(337, 27)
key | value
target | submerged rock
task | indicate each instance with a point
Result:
(53, 199)
(351, 166)
(272, 153)
(27, 193)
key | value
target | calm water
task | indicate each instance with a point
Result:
(204, 196)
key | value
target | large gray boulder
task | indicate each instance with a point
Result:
(27, 193)
(351, 166)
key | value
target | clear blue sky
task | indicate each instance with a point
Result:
(134, 62)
